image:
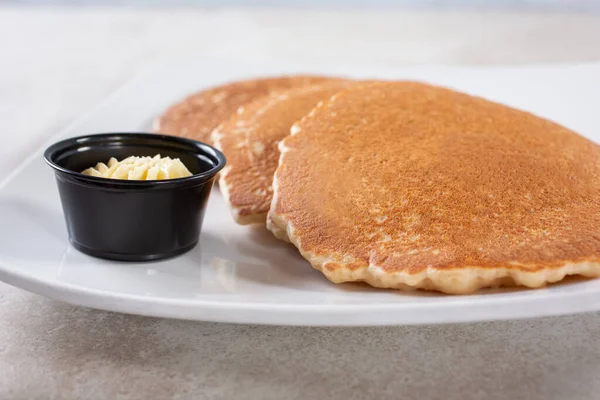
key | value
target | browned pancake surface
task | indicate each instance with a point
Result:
(197, 115)
(250, 138)
(405, 184)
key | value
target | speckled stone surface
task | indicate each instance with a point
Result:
(56, 63)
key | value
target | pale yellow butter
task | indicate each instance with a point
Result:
(140, 169)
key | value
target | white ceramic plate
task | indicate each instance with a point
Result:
(241, 274)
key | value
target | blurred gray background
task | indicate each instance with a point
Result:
(550, 5)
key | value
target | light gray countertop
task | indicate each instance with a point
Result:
(56, 63)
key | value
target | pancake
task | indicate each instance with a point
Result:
(405, 185)
(197, 115)
(249, 139)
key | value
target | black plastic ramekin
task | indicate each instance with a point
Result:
(133, 220)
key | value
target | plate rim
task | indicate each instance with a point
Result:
(452, 309)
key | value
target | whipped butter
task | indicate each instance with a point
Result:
(140, 169)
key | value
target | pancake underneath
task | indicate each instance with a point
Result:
(405, 185)
(197, 115)
(250, 138)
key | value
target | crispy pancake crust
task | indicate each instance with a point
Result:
(197, 115)
(405, 185)
(250, 138)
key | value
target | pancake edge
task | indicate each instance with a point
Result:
(457, 280)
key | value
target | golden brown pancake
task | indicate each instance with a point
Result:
(197, 115)
(405, 185)
(250, 138)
